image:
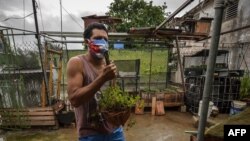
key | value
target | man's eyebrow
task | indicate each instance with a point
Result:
(100, 37)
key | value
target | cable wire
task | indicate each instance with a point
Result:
(73, 18)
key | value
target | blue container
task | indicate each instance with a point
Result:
(234, 110)
(237, 107)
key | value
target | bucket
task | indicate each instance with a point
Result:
(211, 104)
(237, 107)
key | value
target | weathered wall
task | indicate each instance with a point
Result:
(229, 41)
(206, 10)
(240, 36)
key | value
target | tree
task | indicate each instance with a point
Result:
(136, 13)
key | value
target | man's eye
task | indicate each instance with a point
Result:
(99, 38)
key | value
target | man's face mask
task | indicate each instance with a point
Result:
(98, 47)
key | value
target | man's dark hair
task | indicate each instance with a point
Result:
(88, 31)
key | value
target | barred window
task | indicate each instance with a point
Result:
(231, 10)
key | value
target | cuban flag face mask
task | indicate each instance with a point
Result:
(98, 47)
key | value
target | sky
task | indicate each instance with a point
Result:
(49, 12)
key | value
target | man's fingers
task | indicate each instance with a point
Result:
(111, 67)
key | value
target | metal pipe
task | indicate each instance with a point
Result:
(150, 68)
(63, 76)
(20, 34)
(14, 45)
(61, 19)
(31, 34)
(46, 36)
(184, 5)
(112, 41)
(39, 48)
(66, 47)
(180, 64)
(229, 31)
(16, 29)
(219, 7)
(8, 38)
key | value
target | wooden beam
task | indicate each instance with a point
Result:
(153, 105)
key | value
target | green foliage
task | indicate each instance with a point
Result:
(136, 13)
(3, 60)
(159, 61)
(140, 104)
(27, 59)
(6, 55)
(20, 58)
(245, 87)
(114, 99)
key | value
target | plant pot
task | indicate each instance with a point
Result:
(139, 107)
(66, 118)
(139, 110)
(116, 118)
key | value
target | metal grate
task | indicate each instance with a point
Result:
(231, 10)
(129, 71)
(225, 89)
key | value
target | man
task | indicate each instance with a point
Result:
(86, 74)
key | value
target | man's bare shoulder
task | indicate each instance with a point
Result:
(73, 60)
(74, 64)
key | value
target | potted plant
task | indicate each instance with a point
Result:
(245, 89)
(139, 107)
(116, 105)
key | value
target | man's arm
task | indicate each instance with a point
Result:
(78, 93)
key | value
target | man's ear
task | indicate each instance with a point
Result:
(86, 41)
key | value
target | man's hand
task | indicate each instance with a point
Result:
(109, 72)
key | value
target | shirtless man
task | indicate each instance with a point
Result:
(86, 74)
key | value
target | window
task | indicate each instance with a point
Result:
(231, 9)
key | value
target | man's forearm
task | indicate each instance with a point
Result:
(83, 94)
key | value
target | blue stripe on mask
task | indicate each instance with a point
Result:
(103, 44)
(100, 42)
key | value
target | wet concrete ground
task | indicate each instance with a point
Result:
(170, 127)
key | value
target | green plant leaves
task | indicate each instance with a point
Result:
(245, 87)
(114, 99)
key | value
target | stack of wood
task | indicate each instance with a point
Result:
(157, 107)
(27, 117)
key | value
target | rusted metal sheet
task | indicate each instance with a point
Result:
(202, 27)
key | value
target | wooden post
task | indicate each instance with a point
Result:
(159, 108)
(43, 95)
(153, 105)
(59, 77)
(51, 78)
